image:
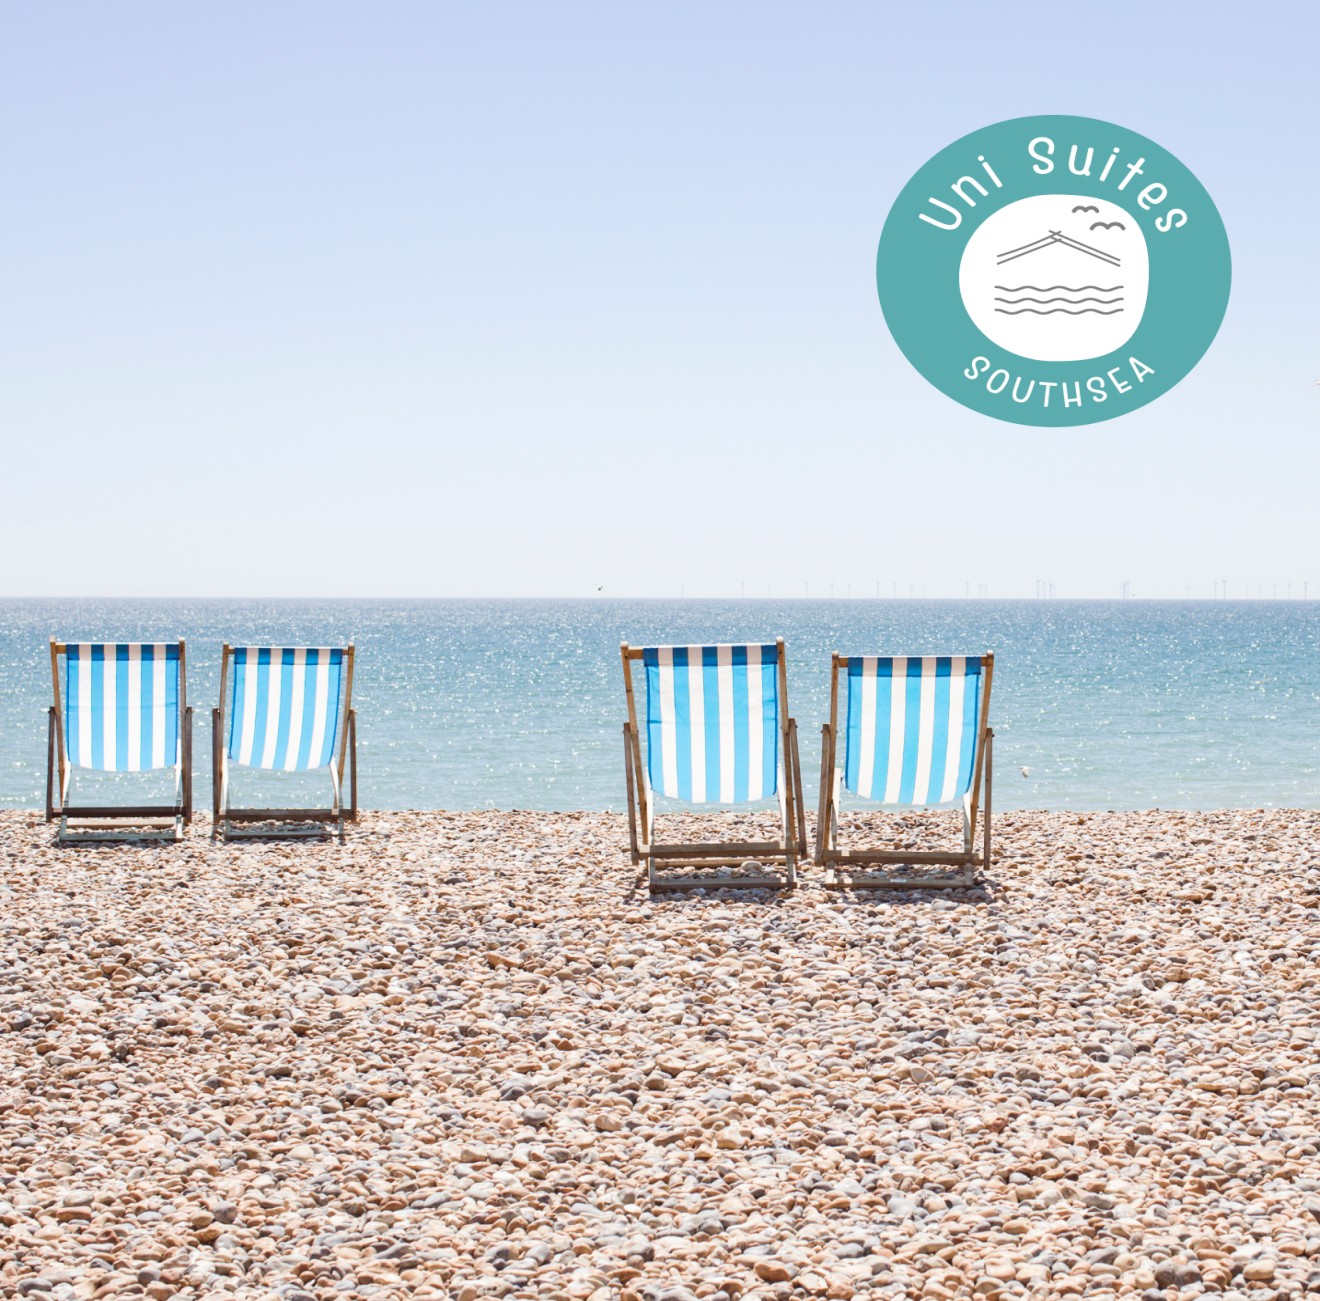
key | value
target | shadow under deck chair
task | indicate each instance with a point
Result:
(717, 732)
(123, 709)
(290, 710)
(916, 735)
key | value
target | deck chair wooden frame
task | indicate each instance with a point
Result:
(696, 862)
(86, 824)
(865, 868)
(232, 822)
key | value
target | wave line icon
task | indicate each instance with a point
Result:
(1059, 298)
(1046, 289)
(1049, 311)
(1075, 300)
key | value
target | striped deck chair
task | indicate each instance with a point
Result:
(123, 709)
(717, 732)
(284, 709)
(916, 735)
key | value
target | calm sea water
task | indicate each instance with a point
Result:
(519, 704)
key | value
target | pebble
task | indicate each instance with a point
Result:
(464, 1055)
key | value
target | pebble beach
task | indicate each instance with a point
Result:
(463, 1055)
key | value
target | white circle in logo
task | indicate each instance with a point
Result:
(1056, 277)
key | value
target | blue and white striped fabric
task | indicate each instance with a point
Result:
(285, 711)
(121, 709)
(913, 725)
(712, 722)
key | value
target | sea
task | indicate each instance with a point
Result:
(519, 704)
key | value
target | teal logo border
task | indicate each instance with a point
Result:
(917, 267)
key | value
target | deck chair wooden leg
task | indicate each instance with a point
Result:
(827, 831)
(50, 768)
(352, 757)
(789, 831)
(786, 829)
(216, 768)
(648, 839)
(632, 795)
(335, 824)
(798, 802)
(803, 847)
(187, 766)
(985, 813)
(222, 788)
(793, 847)
(222, 821)
(836, 802)
(823, 805)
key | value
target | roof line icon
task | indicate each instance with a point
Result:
(1057, 237)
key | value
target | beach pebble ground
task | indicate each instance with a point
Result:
(465, 1055)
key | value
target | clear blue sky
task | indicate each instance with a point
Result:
(487, 299)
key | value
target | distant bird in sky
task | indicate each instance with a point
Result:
(1026, 772)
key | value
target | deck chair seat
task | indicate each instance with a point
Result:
(122, 708)
(718, 732)
(915, 736)
(284, 709)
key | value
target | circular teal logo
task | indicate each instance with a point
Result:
(1053, 270)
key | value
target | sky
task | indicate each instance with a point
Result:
(484, 299)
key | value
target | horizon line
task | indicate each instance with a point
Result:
(599, 596)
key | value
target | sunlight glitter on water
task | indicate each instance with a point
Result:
(519, 704)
